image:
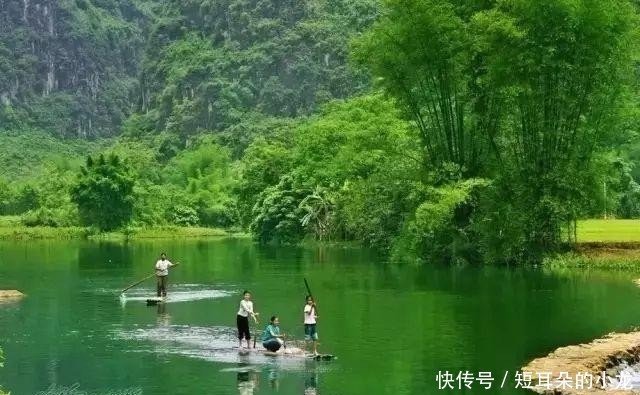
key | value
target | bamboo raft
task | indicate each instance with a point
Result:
(10, 293)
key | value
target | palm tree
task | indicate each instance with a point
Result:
(319, 213)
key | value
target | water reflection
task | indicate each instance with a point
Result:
(274, 377)
(104, 255)
(311, 381)
(248, 381)
(163, 318)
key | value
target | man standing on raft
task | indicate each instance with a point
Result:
(162, 274)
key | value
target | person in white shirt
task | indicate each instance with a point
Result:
(310, 331)
(162, 274)
(242, 319)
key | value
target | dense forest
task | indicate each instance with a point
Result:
(434, 130)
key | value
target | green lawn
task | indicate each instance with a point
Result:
(609, 230)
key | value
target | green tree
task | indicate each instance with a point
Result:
(625, 190)
(53, 205)
(439, 229)
(351, 169)
(207, 178)
(562, 68)
(422, 53)
(104, 193)
(319, 213)
(518, 91)
(278, 215)
(262, 166)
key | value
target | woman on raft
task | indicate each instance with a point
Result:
(272, 339)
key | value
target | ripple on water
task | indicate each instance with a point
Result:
(178, 293)
(216, 344)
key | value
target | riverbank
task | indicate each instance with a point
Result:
(600, 257)
(579, 369)
(164, 232)
(69, 233)
(610, 244)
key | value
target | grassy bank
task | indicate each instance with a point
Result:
(42, 233)
(11, 229)
(627, 260)
(164, 232)
(611, 244)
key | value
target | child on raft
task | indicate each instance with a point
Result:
(242, 318)
(310, 330)
(272, 340)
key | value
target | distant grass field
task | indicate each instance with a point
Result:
(608, 230)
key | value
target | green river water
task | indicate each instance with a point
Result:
(391, 327)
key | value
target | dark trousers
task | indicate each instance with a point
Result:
(272, 345)
(162, 285)
(243, 327)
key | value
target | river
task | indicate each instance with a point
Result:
(392, 328)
